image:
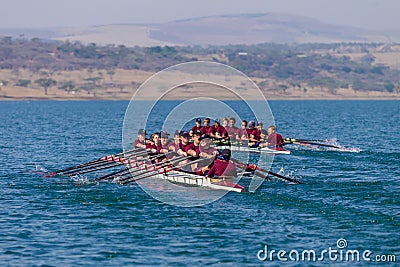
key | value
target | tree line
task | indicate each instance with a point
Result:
(301, 65)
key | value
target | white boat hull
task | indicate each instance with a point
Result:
(197, 180)
(255, 149)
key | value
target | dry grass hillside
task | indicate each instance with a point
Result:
(124, 83)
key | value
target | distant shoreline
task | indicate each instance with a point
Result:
(5, 99)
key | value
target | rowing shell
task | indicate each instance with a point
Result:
(255, 149)
(197, 180)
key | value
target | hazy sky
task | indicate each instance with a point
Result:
(370, 14)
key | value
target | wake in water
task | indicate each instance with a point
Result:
(39, 170)
(294, 174)
(80, 179)
(322, 145)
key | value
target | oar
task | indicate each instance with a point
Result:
(222, 142)
(255, 167)
(107, 162)
(155, 167)
(306, 142)
(100, 160)
(129, 171)
(117, 161)
(152, 173)
(289, 139)
(318, 144)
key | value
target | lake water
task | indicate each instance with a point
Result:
(61, 222)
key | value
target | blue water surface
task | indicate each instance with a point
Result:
(61, 222)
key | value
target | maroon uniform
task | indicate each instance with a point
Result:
(154, 146)
(222, 168)
(186, 148)
(166, 147)
(138, 142)
(209, 151)
(258, 135)
(195, 128)
(232, 131)
(206, 130)
(251, 132)
(219, 129)
(274, 140)
(242, 132)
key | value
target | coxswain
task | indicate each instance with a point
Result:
(222, 166)
(140, 142)
(274, 140)
(197, 127)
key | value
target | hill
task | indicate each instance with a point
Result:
(213, 30)
(75, 70)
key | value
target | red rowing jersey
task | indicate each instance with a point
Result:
(274, 140)
(154, 146)
(242, 132)
(220, 129)
(138, 142)
(251, 132)
(232, 131)
(186, 148)
(222, 168)
(166, 147)
(209, 151)
(206, 130)
(195, 128)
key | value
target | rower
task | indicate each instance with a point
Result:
(225, 122)
(155, 143)
(197, 127)
(274, 140)
(232, 129)
(207, 152)
(174, 146)
(166, 144)
(223, 166)
(252, 134)
(218, 132)
(259, 129)
(205, 149)
(140, 142)
(206, 129)
(184, 145)
(193, 151)
(263, 136)
(241, 134)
